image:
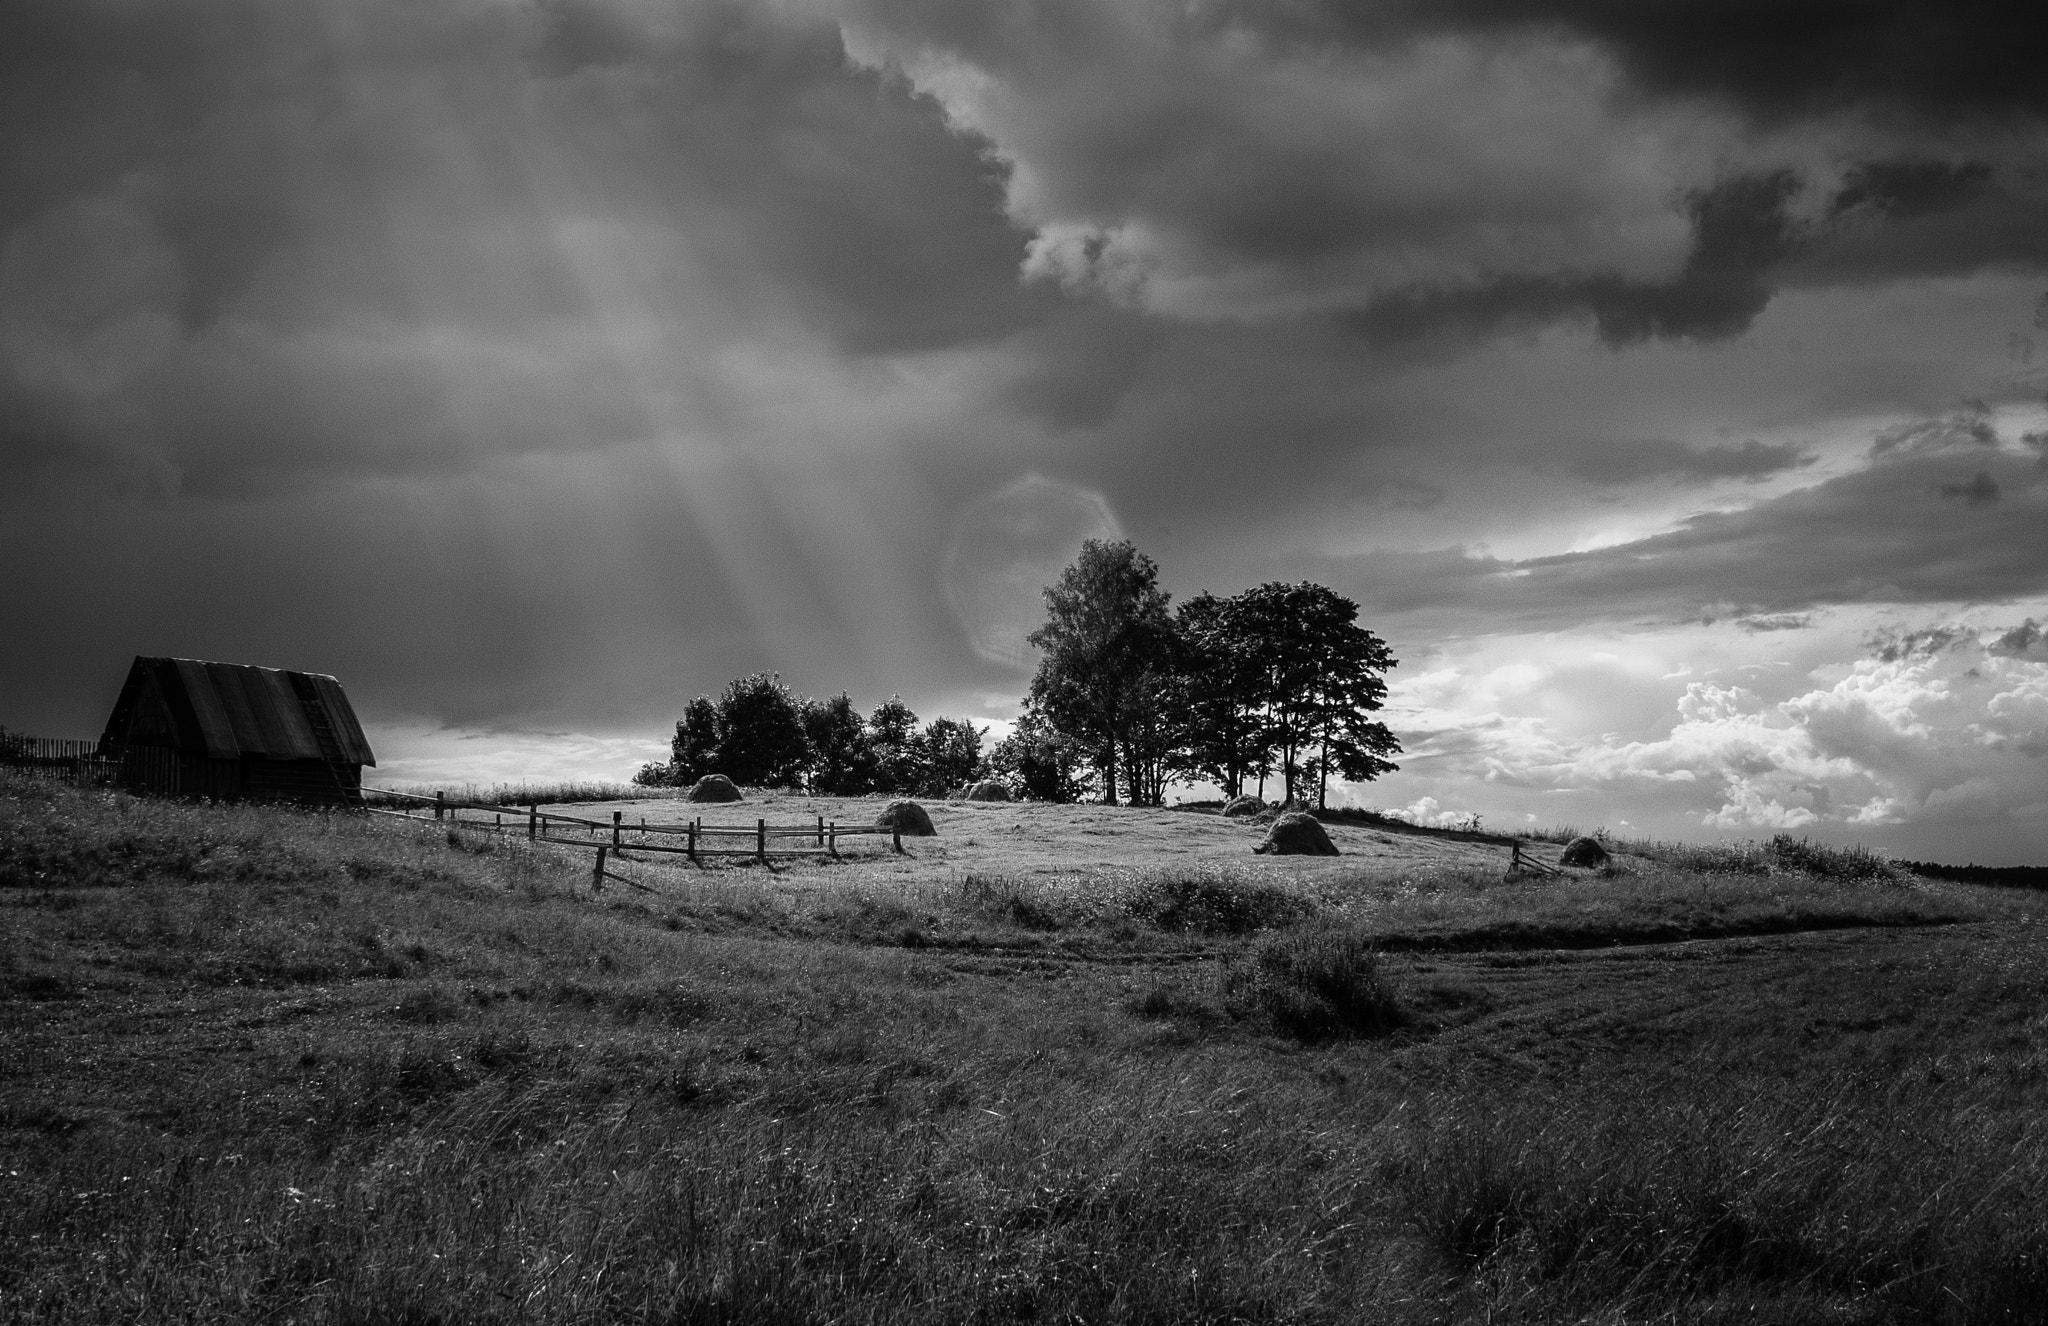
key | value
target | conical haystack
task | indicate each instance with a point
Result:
(713, 787)
(907, 818)
(1297, 834)
(1584, 852)
(1237, 806)
(989, 791)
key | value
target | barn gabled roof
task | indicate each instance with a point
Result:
(225, 710)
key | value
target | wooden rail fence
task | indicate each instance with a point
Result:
(617, 837)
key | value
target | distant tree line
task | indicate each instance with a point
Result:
(1278, 682)
(761, 734)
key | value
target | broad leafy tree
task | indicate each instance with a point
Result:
(1223, 695)
(694, 752)
(761, 740)
(899, 755)
(1319, 678)
(1038, 763)
(842, 759)
(1103, 642)
(952, 755)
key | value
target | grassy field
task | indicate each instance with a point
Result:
(1057, 1064)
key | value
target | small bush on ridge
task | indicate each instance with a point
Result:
(1215, 904)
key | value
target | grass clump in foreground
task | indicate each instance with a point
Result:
(746, 1100)
(1866, 1204)
(1316, 983)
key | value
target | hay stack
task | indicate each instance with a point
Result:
(1584, 852)
(989, 791)
(1237, 806)
(1297, 834)
(907, 818)
(713, 787)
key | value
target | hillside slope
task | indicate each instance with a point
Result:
(274, 1065)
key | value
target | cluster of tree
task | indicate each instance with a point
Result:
(1129, 697)
(1279, 679)
(760, 734)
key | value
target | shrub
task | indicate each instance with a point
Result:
(1215, 904)
(1016, 902)
(1316, 984)
(1854, 862)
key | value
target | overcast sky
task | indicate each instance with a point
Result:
(1666, 381)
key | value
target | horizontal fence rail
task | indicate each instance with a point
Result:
(617, 838)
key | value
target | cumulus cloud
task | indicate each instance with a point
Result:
(1952, 728)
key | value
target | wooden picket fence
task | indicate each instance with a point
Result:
(619, 840)
(85, 763)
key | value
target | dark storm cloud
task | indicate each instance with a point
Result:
(2027, 640)
(244, 243)
(519, 362)
(1784, 621)
(1981, 490)
(1889, 220)
(1776, 58)
(1451, 171)
(1663, 458)
(1892, 645)
(1875, 536)
(1740, 231)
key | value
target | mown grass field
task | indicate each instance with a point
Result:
(1058, 1064)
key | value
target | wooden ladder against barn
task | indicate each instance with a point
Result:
(323, 731)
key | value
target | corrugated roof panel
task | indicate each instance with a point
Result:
(283, 717)
(215, 727)
(240, 709)
(228, 683)
(341, 716)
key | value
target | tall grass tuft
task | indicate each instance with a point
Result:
(1315, 983)
(1629, 1198)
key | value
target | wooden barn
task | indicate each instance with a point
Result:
(228, 730)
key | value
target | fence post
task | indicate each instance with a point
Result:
(440, 802)
(821, 830)
(832, 839)
(597, 875)
(617, 815)
(761, 840)
(533, 819)
(896, 837)
(690, 843)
